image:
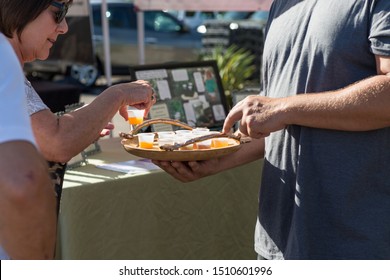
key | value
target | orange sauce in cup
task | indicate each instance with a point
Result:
(134, 120)
(217, 143)
(146, 145)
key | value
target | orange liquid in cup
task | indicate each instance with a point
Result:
(202, 146)
(219, 144)
(146, 145)
(135, 120)
(187, 148)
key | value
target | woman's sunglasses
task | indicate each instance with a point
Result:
(61, 13)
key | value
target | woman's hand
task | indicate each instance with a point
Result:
(138, 94)
(107, 130)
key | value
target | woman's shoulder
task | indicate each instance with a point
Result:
(34, 102)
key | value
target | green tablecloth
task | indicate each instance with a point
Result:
(111, 215)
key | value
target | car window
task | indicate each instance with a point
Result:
(208, 15)
(236, 15)
(118, 17)
(160, 21)
(189, 13)
(260, 15)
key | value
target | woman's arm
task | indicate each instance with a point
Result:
(61, 138)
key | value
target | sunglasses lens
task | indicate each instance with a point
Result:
(60, 15)
(64, 11)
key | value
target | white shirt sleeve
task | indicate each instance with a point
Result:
(14, 119)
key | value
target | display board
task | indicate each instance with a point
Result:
(190, 92)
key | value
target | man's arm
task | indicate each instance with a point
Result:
(27, 203)
(361, 106)
(193, 170)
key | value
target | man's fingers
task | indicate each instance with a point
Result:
(233, 116)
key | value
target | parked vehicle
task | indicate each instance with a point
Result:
(260, 16)
(195, 18)
(167, 39)
(241, 29)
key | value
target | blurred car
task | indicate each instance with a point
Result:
(260, 16)
(167, 39)
(193, 19)
(241, 29)
(232, 17)
(236, 15)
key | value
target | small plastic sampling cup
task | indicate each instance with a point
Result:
(165, 134)
(182, 132)
(220, 142)
(182, 139)
(135, 116)
(166, 141)
(200, 130)
(145, 140)
(206, 144)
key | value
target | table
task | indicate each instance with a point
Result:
(111, 215)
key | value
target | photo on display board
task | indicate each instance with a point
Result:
(190, 92)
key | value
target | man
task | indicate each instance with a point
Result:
(27, 200)
(323, 125)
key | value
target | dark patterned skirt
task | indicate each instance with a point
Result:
(57, 173)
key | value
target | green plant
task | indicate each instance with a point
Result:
(236, 66)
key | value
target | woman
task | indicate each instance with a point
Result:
(32, 27)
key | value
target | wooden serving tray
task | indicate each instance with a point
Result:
(131, 146)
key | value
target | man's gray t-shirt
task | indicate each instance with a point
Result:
(325, 194)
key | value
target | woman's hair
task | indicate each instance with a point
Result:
(16, 14)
